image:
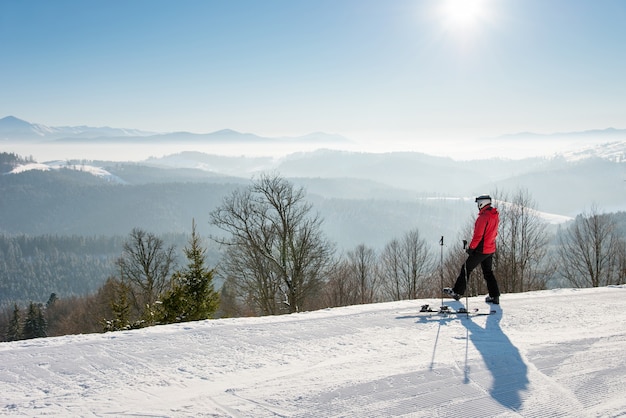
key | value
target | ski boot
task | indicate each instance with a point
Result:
(495, 300)
(450, 292)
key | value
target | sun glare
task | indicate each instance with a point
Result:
(462, 15)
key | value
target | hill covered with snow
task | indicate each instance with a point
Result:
(59, 165)
(557, 353)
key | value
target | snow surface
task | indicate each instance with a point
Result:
(60, 164)
(555, 353)
(550, 218)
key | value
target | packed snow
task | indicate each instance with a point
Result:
(553, 353)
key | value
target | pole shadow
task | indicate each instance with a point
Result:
(502, 359)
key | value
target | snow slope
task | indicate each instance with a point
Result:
(58, 165)
(557, 353)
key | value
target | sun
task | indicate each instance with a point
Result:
(463, 15)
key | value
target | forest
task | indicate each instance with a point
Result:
(69, 247)
(139, 281)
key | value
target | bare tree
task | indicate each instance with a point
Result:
(591, 252)
(522, 245)
(253, 278)
(277, 255)
(391, 268)
(341, 288)
(145, 265)
(621, 260)
(405, 266)
(363, 271)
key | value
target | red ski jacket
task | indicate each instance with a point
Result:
(485, 230)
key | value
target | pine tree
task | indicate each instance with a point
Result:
(14, 330)
(192, 296)
(121, 309)
(35, 325)
(51, 300)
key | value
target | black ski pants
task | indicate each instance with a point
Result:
(486, 262)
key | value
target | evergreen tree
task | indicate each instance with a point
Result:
(14, 330)
(120, 307)
(192, 296)
(35, 325)
(51, 300)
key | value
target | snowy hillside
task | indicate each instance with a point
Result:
(612, 151)
(58, 165)
(557, 353)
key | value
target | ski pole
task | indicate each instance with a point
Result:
(441, 267)
(466, 281)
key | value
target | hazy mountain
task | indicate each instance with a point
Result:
(14, 129)
(607, 143)
(608, 134)
(563, 185)
(406, 170)
(382, 194)
(364, 197)
(613, 151)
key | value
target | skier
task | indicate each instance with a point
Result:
(480, 251)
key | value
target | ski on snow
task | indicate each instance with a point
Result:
(447, 310)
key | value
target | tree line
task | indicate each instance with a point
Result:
(8, 161)
(276, 259)
(32, 267)
(149, 289)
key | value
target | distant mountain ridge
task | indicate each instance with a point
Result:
(15, 129)
(12, 128)
(608, 134)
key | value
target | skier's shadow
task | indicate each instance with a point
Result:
(508, 371)
(502, 358)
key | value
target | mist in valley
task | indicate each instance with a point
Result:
(105, 187)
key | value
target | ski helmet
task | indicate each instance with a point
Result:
(483, 200)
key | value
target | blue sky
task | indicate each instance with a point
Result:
(417, 69)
